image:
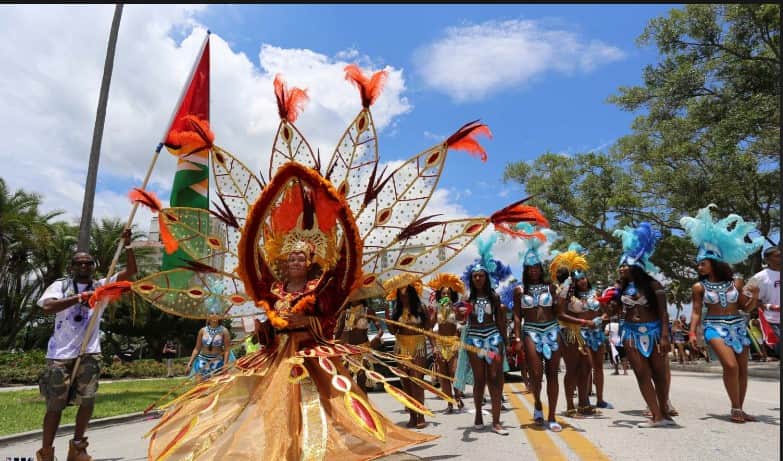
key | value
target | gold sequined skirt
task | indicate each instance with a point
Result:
(411, 346)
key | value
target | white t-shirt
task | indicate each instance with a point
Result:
(768, 282)
(613, 330)
(70, 324)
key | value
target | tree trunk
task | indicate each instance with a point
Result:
(97, 135)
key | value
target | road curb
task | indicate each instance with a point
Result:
(772, 372)
(66, 428)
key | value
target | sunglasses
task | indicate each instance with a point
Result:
(82, 263)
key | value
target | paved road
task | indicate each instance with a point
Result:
(704, 432)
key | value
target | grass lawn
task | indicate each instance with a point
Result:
(22, 411)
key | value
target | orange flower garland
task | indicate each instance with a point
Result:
(306, 305)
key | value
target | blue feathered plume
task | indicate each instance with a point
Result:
(715, 241)
(638, 245)
(497, 270)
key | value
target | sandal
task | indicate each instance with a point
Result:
(538, 417)
(652, 424)
(737, 415)
(554, 426)
(450, 409)
(588, 410)
(672, 411)
(605, 404)
(571, 412)
(460, 404)
(498, 429)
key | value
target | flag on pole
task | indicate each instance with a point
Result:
(191, 181)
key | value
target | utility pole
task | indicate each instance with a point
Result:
(97, 135)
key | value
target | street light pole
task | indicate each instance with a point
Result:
(97, 135)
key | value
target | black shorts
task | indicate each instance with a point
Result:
(620, 351)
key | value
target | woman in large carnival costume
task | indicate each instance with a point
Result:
(645, 329)
(724, 326)
(446, 290)
(534, 302)
(582, 330)
(297, 247)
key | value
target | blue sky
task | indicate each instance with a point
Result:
(538, 75)
(552, 111)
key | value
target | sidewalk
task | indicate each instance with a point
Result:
(768, 370)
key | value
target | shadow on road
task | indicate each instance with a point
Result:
(765, 419)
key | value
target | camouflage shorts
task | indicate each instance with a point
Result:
(53, 382)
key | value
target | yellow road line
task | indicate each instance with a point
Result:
(544, 447)
(579, 444)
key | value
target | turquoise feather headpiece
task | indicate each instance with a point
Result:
(638, 245)
(495, 269)
(716, 241)
(535, 250)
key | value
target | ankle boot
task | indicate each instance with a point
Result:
(77, 450)
(45, 454)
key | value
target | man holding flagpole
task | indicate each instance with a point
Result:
(67, 298)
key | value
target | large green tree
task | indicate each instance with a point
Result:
(708, 132)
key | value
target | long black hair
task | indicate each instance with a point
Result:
(723, 271)
(494, 299)
(413, 301)
(644, 285)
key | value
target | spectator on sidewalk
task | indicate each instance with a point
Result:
(616, 347)
(67, 299)
(768, 281)
(169, 352)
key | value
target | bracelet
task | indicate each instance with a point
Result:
(691, 334)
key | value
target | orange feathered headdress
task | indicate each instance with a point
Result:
(304, 220)
(446, 280)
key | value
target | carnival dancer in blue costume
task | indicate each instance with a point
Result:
(213, 346)
(485, 329)
(644, 307)
(724, 327)
(534, 302)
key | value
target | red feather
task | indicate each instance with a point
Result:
(170, 244)
(369, 88)
(464, 139)
(197, 138)
(290, 102)
(145, 198)
(110, 292)
(505, 219)
(152, 202)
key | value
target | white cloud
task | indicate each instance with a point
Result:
(472, 61)
(50, 83)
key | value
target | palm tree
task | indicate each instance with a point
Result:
(25, 234)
